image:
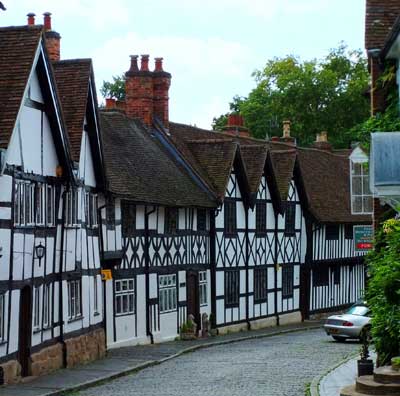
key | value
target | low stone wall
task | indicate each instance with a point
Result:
(263, 323)
(290, 318)
(12, 372)
(47, 360)
(85, 348)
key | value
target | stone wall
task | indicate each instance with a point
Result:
(85, 348)
(47, 360)
(12, 372)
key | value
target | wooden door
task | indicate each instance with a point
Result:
(193, 302)
(25, 330)
(305, 283)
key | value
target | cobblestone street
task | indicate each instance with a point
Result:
(280, 365)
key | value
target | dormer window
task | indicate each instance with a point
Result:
(361, 196)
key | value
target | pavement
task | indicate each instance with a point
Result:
(124, 361)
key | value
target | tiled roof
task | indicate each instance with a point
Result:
(379, 20)
(138, 168)
(18, 45)
(254, 157)
(326, 182)
(283, 162)
(72, 78)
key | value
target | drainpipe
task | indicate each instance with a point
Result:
(247, 266)
(60, 280)
(276, 271)
(147, 268)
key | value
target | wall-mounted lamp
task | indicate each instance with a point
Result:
(40, 251)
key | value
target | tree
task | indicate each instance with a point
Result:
(316, 95)
(114, 89)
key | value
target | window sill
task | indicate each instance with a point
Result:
(119, 315)
(96, 313)
(169, 311)
(235, 305)
(230, 235)
(36, 330)
(3, 342)
(76, 319)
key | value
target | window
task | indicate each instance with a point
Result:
(128, 214)
(348, 231)
(167, 292)
(46, 305)
(290, 218)
(260, 284)
(230, 217)
(110, 212)
(361, 196)
(34, 204)
(201, 220)
(91, 209)
(2, 317)
(261, 217)
(71, 208)
(321, 276)
(74, 299)
(232, 288)
(203, 287)
(124, 297)
(287, 281)
(331, 232)
(336, 274)
(36, 308)
(171, 220)
(95, 296)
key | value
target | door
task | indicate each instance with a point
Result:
(192, 290)
(305, 274)
(25, 330)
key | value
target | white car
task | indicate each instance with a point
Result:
(354, 323)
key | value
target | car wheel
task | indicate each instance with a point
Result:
(339, 339)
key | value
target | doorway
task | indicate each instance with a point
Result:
(193, 302)
(305, 274)
(25, 330)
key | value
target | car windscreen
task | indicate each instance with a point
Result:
(358, 310)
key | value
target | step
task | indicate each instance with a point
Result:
(351, 391)
(367, 385)
(386, 375)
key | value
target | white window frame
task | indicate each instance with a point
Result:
(91, 209)
(95, 296)
(167, 293)
(40, 204)
(203, 289)
(74, 299)
(124, 297)
(36, 308)
(46, 305)
(71, 208)
(364, 176)
(50, 206)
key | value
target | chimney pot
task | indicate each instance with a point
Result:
(286, 129)
(31, 18)
(47, 20)
(144, 63)
(134, 65)
(158, 64)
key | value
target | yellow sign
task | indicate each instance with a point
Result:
(106, 275)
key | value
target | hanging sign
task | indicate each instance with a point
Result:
(106, 274)
(363, 238)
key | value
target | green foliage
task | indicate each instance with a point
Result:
(315, 95)
(382, 122)
(383, 291)
(114, 89)
(187, 327)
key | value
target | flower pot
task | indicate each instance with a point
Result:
(189, 336)
(365, 367)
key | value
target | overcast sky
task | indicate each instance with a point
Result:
(210, 47)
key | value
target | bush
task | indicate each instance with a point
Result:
(187, 327)
(383, 291)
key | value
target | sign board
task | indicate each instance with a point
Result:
(363, 238)
(106, 274)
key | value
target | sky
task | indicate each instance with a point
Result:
(211, 47)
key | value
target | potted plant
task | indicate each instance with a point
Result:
(213, 329)
(188, 331)
(364, 364)
(396, 363)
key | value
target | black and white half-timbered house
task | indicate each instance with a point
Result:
(46, 303)
(155, 224)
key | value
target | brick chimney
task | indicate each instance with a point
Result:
(321, 142)
(285, 138)
(161, 84)
(31, 18)
(139, 90)
(52, 38)
(235, 126)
